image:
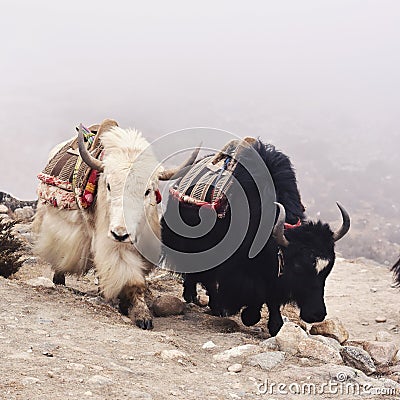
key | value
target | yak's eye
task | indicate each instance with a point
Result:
(147, 192)
(108, 187)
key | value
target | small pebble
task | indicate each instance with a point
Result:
(173, 355)
(383, 336)
(166, 305)
(235, 368)
(209, 345)
(202, 299)
(373, 290)
(380, 319)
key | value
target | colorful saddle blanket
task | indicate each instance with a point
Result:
(207, 183)
(67, 182)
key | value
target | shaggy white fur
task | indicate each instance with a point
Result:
(73, 240)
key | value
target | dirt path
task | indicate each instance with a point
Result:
(59, 344)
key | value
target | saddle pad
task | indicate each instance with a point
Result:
(207, 183)
(66, 176)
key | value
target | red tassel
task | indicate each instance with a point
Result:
(158, 196)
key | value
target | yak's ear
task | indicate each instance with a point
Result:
(106, 125)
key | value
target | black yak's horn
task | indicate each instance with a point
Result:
(93, 163)
(177, 172)
(345, 224)
(279, 227)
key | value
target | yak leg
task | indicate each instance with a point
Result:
(275, 320)
(189, 288)
(59, 278)
(212, 292)
(209, 283)
(133, 304)
(251, 315)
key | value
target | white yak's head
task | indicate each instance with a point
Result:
(129, 179)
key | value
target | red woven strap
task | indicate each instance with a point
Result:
(290, 226)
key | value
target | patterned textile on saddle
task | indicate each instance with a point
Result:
(67, 182)
(207, 183)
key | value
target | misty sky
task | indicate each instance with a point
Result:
(284, 71)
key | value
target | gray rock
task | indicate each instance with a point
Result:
(380, 319)
(41, 281)
(267, 360)
(234, 352)
(3, 209)
(99, 380)
(328, 341)
(382, 353)
(209, 345)
(30, 380)
(75, 366)
(358, 358)
(317, 350)
(383, 336)
(24, 213)
(332, 328)
(167, 305)
(270, 344)
(289, 337)
(173, 354)
(235, 368)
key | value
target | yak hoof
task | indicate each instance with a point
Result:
(59, 278)
(146, 324)
(250, 316)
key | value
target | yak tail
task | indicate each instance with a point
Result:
(396, 272)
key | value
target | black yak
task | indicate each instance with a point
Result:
(292, 265)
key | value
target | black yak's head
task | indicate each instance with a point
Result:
(308, 258)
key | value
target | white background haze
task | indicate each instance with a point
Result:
(319, 79)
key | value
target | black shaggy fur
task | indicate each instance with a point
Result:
(241, 283)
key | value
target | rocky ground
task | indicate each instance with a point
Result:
(66, 343)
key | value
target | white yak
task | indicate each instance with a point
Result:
(104, 236)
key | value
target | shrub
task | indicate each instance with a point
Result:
(10, 249)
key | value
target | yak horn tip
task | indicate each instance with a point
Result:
(345, 223)
(92, 162)
(278, 231)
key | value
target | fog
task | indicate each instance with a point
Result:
(319, 79)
